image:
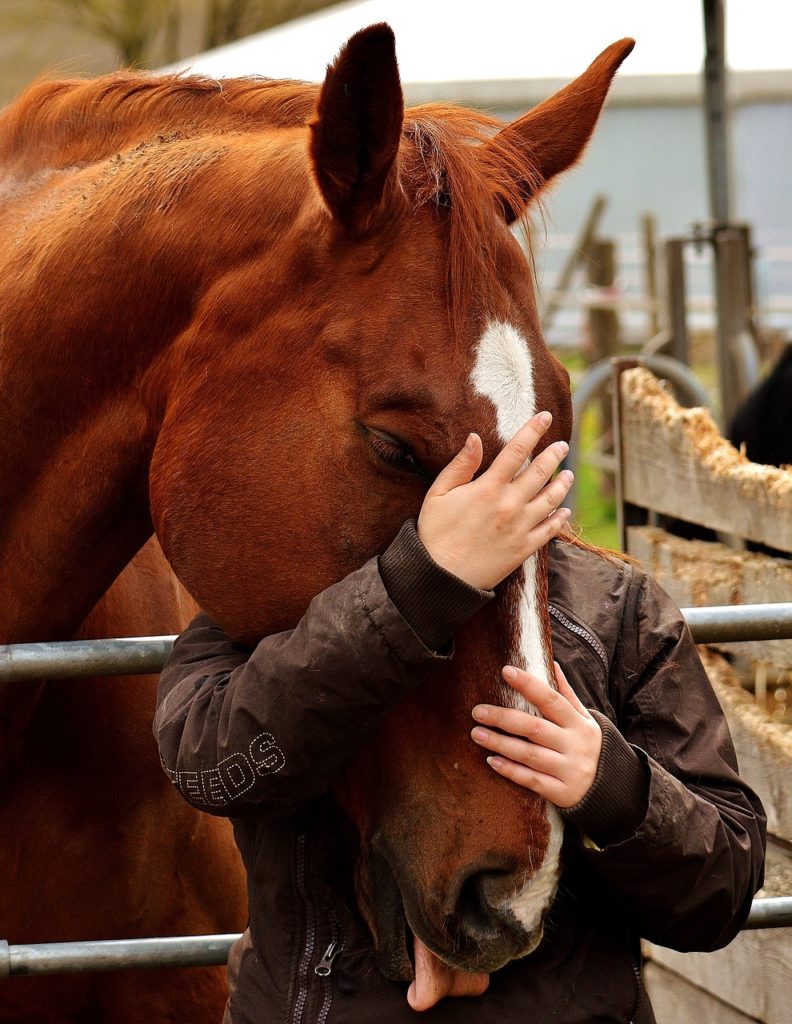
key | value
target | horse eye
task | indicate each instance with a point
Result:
(393, 452)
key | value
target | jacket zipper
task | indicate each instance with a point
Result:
(639, 985)
(582, 632)
(325, 968)
(310, 932)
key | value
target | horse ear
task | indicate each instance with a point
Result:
(550, 138)
(357, 127)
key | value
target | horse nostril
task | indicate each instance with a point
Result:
(478, 904)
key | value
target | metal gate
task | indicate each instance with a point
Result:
(142, 655)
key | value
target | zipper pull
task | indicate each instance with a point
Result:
(325, 965)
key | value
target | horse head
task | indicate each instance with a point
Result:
(370, 307)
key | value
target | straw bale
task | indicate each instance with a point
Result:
(764, 747)
(675, 462)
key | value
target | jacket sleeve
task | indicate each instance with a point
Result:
(676, 832)
(259, 732)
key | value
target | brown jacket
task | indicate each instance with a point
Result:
(668, 844)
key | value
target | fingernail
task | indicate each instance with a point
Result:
(567, 475)
(495, 762)
(480, 734)
(545, 418)
(480, 712)
(563, 513)
(563, 447)
(509, 673)
(470, 444)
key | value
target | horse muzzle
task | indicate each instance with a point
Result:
(470, 923)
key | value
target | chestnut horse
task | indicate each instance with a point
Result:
(253, 318)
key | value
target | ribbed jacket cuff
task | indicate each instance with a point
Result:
(432, 600)
(618, 800)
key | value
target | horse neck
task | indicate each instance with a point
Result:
(84, 320)
(73, 487)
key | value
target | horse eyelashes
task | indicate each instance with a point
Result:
(394, 454)
(388, 451)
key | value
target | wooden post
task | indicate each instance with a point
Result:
(579, 252)
(649, 235)
(604, 332)
(746, 233)
(676, 299)
(626, 514)
(603, 323)
(734, 317)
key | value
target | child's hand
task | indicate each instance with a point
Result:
(482, 530)
(555, 756)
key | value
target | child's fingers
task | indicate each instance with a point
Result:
(536, 477)
(549, 527)
(548, 499)
(531, 755)
(514, 455)
(555, 706)
(461, 469)
(520, 723)
(567, 691)
(543, 785)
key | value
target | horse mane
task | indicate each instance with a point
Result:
(445, 163)
(569, 536)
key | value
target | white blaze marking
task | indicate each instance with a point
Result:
(503, 373)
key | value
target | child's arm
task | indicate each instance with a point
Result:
(263, 731)
(669, 823)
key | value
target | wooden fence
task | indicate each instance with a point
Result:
(675, 472)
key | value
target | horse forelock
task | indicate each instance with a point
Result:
(451, 169)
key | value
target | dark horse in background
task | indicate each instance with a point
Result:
(763, 423)
(216, 300)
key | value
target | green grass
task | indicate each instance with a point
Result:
(595, 514)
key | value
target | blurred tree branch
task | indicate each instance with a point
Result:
(227, 20)
(145, 33)
(131, 26)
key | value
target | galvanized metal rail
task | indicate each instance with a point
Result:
(114, 954)
(206, 950)
(722, 623)
(68, 659)
(144, 655)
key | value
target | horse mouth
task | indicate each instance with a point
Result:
(394, 938)
(470, 945)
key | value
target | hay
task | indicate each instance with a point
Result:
(694, 431)
(741, 708)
